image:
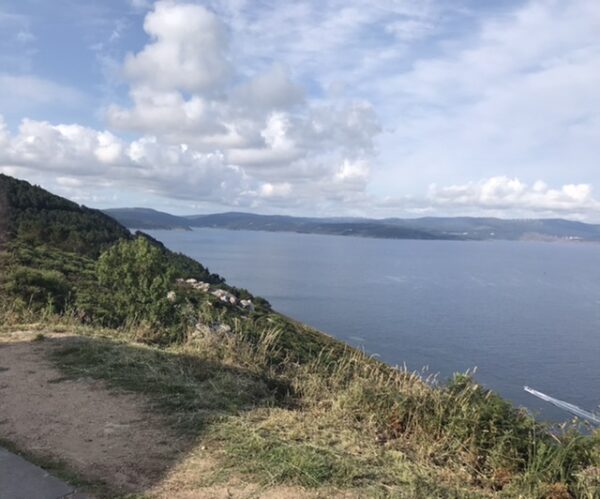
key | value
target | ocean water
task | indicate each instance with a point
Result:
(521, 313)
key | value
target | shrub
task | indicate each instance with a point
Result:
(39, 288)
(138, 277)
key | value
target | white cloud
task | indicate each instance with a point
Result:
(260, 124)
(334, 105)
(353, 171)
(91, 157)
(167, 113)
(109, 149)
(4, 133)
(271, 90)
(69, 182)
(188, 50)
(275, 190)
(519, 97)
(60, 148)
(504, 193)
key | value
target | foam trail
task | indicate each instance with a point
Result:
(578, 411)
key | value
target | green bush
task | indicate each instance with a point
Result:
(138, 277)
(39, 288)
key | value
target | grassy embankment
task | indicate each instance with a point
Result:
(277, 401)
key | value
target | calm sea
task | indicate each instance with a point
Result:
(522, 313)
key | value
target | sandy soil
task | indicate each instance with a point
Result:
(101, 434)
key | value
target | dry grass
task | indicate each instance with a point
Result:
(341, 421)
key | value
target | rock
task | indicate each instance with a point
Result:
(247, 304)
(225, 296)
(201, 286)
(198, 285)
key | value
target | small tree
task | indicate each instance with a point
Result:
(138, 277)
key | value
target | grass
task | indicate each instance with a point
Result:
(283, 446)
(286, 404)
(192, 390)
(341, 421)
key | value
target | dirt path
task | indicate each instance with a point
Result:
(100, 434)
(103, 435)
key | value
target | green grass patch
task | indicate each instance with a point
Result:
(192, 390)
(282, 446)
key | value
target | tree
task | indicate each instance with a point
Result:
(138, 277)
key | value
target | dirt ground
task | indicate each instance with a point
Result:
(100, 434)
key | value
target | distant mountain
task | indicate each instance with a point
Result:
(448, 228)
(331, 226)
(496, 228)
(136, 218)
(147, 218)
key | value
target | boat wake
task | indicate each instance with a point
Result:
(573, 409)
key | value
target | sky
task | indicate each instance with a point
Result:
(379, 108)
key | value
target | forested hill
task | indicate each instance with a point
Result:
(32, 215)
(449, 228)
(62, 258)
(50, 248)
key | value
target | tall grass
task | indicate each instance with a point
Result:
(341, 419)
(459, 429)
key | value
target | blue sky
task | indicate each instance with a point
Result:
(331, 107)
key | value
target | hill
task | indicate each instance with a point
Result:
(444, 228)
(147, 218)
(30, 214)
(136, 218)
(268, 401)
(52, 261)
(478, 228)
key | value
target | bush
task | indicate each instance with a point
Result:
(39, 288)
(138, 277)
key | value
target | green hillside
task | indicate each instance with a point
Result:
(279, 402)
(51, 262)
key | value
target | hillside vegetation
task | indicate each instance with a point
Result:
(280, 403)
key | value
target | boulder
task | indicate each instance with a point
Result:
(201, 286)
(225, 296)
(247, 304)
